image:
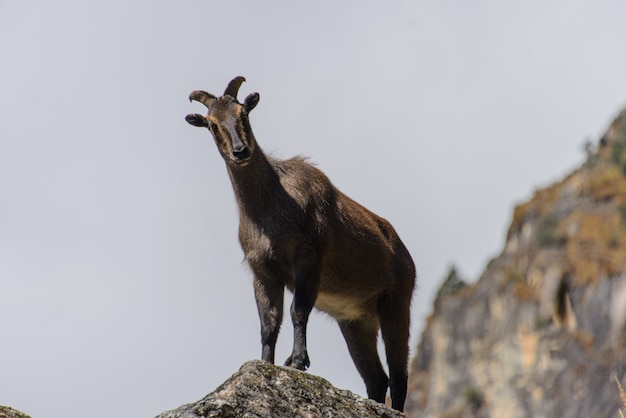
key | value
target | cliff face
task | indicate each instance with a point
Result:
(541, 333)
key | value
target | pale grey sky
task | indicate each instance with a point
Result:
(121, 280)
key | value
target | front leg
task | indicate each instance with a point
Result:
(269, 294)
(306, 278)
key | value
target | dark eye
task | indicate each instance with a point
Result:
(212, 127)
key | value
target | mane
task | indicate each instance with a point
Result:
(281, 166)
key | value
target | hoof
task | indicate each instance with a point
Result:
(298, 363)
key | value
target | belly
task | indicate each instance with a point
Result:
(340, 307)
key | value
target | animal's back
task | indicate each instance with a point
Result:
(362, 256)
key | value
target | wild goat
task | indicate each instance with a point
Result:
(297, 230)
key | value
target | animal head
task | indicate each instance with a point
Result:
(227, 119)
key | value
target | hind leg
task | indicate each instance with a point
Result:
(361, 336)
(394, 317)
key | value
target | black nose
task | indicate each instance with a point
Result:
(241, 153)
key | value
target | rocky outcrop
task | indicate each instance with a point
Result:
(541, 333)
(262, 390)
(8, 412)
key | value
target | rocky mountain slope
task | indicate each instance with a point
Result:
(541, 333)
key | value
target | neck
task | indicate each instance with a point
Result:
(254, 183)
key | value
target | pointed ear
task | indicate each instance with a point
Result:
(197, 120)
(251, 101)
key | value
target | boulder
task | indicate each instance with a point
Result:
(261, 390)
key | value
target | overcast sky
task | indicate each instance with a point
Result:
(122, 290)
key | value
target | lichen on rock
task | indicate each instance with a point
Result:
(8, 412)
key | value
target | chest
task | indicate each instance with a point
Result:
(273, 252)
(269, 248)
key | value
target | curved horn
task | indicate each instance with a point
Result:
(202, 97)
(233, 86)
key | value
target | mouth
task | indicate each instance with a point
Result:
(242, 157)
